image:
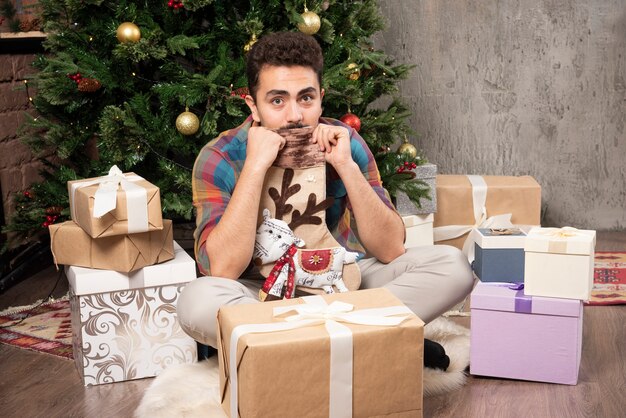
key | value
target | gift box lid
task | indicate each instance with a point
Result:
(500, 238)
(85, 281)
(415, 220)
(564, 240)
(509, 297)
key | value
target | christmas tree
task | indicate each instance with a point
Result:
(144, 85)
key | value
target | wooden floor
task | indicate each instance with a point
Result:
(39, 385)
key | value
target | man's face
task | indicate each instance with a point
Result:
(286, 97)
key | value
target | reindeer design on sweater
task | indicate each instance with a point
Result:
(276, 242)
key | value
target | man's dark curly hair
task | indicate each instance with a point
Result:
(285, 49)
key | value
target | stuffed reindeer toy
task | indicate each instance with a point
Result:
(318, 268)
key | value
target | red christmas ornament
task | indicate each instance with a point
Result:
(352, 121)
(28, 194)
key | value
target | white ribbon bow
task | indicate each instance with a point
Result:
(316, 312)
(565, 232)
(479, 200)
(105, 198)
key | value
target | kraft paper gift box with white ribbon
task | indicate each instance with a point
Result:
(72, 246)
(517, 336)
(559, 262)
(419, 230)
(499, 255)
(116, 204)
(465, 202)
(426, 173)
(124, 326)
(321, 362)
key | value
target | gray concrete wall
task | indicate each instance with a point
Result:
(508, 87)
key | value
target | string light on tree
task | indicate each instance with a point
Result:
(187, 123)
(311, 23)
(128, 32)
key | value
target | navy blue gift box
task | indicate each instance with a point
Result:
(499, 255)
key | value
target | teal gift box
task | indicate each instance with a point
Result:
(499, 255)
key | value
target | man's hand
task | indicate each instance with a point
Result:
(335, 142)
(263, 146)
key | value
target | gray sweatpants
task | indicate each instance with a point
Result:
(429, 280)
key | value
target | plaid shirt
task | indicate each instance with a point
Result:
(219, 165)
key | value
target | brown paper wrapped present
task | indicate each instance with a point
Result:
(72, 246)
(135, 204)
(459, 204)
(287, 373)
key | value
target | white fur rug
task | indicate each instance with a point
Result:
(192, 390)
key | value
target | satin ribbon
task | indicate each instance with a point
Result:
(315, 312)
(479, 201)
(105, 198)
(285, 260)
(558, 238)
(523, 303)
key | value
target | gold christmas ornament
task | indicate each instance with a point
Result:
(128, 32)
(408, 149)
(248, 46)
(354, 71)
(311, 23)
(187, 123)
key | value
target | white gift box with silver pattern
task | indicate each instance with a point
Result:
(124, 326)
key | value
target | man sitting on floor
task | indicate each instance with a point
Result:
(284, 76)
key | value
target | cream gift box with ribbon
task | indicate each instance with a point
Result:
(465, 202)
(559, 262)
(116, 204)
(72, 246)
(419, 230)
(124, 326)
(315, 357)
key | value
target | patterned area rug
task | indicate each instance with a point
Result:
(46, 328)
(609, 281)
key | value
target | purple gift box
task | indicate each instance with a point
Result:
(524, 337)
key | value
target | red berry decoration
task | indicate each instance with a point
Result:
(175, 4)
(75, 77)
(352, 121)
(28, 194)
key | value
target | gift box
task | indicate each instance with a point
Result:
(559, 262)
(117, 204)
(322, 361)
(499, 255)
(465, 202)
(524, 337)
(426, 173)
(419, 230)
(124, 326)
(72, 246)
